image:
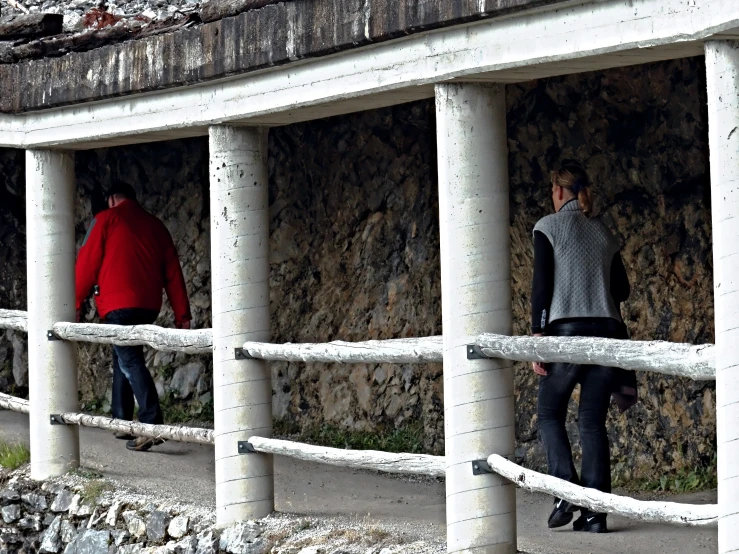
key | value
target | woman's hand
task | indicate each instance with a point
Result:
(539, 369)
(538, 366)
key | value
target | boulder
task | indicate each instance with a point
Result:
(135, 524)
(185, 379)
(35, 502)
(112, 517)
(242, 538)
(8, 496)
(207, 543)
(89, 542)
(130, 549)
(67, 532)
(156, 525)
(11, 514)
(62, 502)
(51, 541)
(178, 527)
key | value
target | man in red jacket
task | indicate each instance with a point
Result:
(129, 254)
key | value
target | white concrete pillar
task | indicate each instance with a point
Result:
(476, 297)
(722, 78)
(242, 389)
(52, 365)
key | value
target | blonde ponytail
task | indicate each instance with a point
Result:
(573, 178)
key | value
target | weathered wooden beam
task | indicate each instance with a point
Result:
(684, 360)
(394, 351)
(198, 341)
(14, 319)
(417, 464)
(642, 510)
(32, 25)
(14, 404)
(169, 432)
(218, 9)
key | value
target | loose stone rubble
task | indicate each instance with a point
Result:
(77, 514)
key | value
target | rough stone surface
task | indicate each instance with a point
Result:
(89, 542)
(136, 526)
(185, 379)
(9, 495)
(67, 532)
(51, 540)
(111, 517)
(34, 502)
(156, 525)
(62, 502)
(207, 543)
(178, 527)
(11, 513)
(355, 251)
(242, 538)
(130, 549)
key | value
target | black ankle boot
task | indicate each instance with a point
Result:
(561, 514)
(591, 522)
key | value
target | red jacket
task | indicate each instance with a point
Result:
(130, 255)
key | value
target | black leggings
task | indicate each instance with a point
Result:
(596, 385)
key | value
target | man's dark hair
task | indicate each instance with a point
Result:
(121, 188)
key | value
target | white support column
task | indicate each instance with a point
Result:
(242, 389)
(722, 77)
(52, 365)
(476, 298)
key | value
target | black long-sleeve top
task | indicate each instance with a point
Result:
(543, 286)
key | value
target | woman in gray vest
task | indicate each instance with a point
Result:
(579, 283)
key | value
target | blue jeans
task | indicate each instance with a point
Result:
(596, 386)
(131, 378)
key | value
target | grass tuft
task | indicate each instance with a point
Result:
(93, 490)
(13, 456)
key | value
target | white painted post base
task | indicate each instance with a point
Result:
(242, 389)
(52, 365)
(722, 77)
(476, 298)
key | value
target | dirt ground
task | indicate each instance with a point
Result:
(412, 506)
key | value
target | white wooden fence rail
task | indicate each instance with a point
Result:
(643, 510)
(198, 341)
(684, 360)
(394, 351)
(16, 320)
(418, 464)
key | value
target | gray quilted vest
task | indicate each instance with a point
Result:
(583, 254)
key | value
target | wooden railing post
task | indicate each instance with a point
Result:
(722, 78)
(52, 365)
(476, 298)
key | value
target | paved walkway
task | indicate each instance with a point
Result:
(186, 472)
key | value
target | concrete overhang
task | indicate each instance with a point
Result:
(554, 40)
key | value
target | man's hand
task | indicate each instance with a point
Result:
(538, 366)
(184, 324)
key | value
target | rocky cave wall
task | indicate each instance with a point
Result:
(354, 242)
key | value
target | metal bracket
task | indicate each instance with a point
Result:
(56, 419)
(241, 354)
(245, 447)
(474, 352)
(50, 335)
(481, 467)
